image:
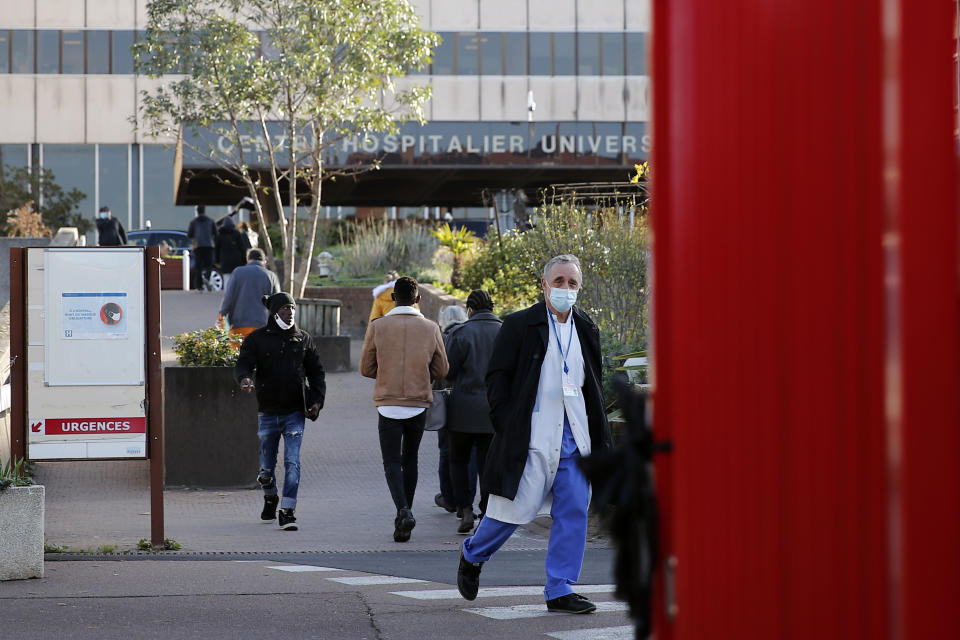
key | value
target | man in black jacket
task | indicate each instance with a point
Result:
(546, 405)
(283, 364)
(110, 232)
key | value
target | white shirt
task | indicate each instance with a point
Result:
(534, 494)
(393, 411)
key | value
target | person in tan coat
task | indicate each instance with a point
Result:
(404, 352)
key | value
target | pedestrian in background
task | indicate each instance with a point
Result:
(546, 406)
(383, 297)
(282, 363)
(404, 352)
(202, 230)
(252, 237)
(230, 248)
(241, 307)
(450, 317)
(110, 232)
(469, 346)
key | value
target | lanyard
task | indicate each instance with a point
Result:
(556, 331)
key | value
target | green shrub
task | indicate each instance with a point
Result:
(507, 268)
(211, 347)
(380, 245)
(16, 473)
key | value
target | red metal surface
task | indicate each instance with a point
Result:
(773, 329)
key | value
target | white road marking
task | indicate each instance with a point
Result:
(493, 592)
(537, 610)
(608, 633)
(302, 568)
(369, 580)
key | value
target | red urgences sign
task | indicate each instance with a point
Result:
(89, 426)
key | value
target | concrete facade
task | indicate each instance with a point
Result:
(21, 532)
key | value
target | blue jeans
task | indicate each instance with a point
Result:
(270, 427)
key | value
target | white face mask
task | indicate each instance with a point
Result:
(103, 216)
(562, 299)
(283, 325)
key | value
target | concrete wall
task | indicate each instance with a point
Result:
(21, 533)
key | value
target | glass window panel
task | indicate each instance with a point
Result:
(540, 54)
(588, 54)
(114, 187)
(72, 167)
(468, 54)
(158, 204)
(636, 54)
(515, 54)
(4, 51)
(21, 54)
(491, 54)
(612, 53)
(121, 57)
(48, 51)
(98, 51)
(443, 55)
(72, 43)
(14, 155)
(564, 54)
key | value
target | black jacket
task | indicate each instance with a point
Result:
(110, 233)
(469, 346)
(231, 249)
(513, 378)
(285, 366)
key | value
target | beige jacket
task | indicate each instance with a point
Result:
(404, 352)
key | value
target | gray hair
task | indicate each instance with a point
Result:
(563, 258)
(451, 315)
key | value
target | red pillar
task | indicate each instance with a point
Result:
(797, 216)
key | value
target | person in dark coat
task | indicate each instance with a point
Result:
(469, 346)
(110, 232)
(546, 406)
(202, 231)
(231, 247)
(282, 363)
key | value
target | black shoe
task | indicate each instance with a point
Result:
(571, 603)
(441, 502)
(403, 524)
(468, 578)
(269, 508)
(287, 520)
(466, 521)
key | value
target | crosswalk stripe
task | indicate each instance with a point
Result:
(608, 633)
(370, 580)
(536, 610)
(302, 568)
(493, 592)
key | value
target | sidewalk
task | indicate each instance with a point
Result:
(343, 502)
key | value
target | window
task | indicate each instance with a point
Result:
(636, 54)
(48, 51)
(491, 54)
(21, 51)
(588, 54)
(468, 54)
(121, 57)
(98, 52)
(114, 179)
(612, 53)
(540, 54)
(158, 186)
(72, 52)
(443, 55)
(515, 54)
(565, 54)
(14, 155)
(4, 51)
(72, 167)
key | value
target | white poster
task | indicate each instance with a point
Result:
(93, 315)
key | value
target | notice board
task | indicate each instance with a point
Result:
(86, 391)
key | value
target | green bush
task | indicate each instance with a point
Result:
(211, 347)
(507, 268)
(16, 473)
(379, 246)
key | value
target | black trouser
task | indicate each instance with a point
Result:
(204, 263)
(460, 446)
(399, 446)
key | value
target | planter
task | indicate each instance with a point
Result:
(21, 532)
(172, 273)
(210, 429)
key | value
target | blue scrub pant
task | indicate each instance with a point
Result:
(568, 533)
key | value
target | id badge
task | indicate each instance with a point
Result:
(570, 389)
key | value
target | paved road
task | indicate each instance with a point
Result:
(221, 584)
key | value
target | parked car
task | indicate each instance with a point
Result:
(174, 242)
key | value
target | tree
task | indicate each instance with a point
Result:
(20, 185)
(281, 81)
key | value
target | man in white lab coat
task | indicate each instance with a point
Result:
(546, 405)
